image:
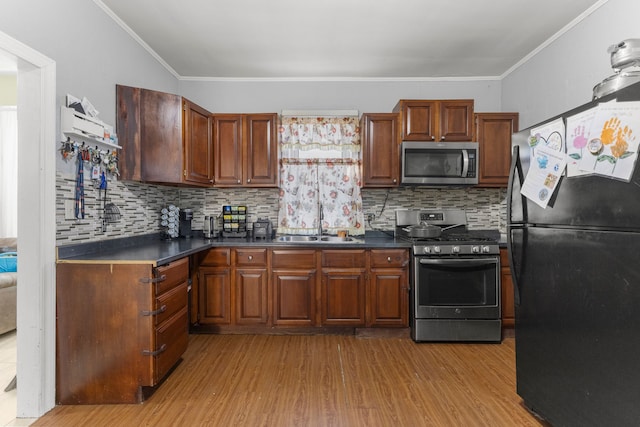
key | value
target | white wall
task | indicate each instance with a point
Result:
(562, 75)
(91, 51)
(227, 96)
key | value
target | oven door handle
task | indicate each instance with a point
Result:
(459, 262)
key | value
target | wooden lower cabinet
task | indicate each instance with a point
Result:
(506, 282)
(251, 296)
(215, 295)
(294, 277)
(233, 286)
(388, 302)
(306, 287)
(343, 287)
(120, 329)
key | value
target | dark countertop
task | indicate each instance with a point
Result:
(156, 250)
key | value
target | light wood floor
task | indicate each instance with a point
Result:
(324, 380)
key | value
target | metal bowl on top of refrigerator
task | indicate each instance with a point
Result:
(615, 82)
(625, 54)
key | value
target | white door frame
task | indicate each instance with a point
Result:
(36, 318)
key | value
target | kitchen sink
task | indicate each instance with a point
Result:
(338, 239)
(295, 239)
(315, 239)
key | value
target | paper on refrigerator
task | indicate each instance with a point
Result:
(612, 144)
(547, 166)
(578, 129)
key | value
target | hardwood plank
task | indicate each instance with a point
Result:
(324, 380)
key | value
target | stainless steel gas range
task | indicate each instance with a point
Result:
(455, 278)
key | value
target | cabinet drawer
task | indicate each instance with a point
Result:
(344, 258)
(171, 302)
(172, 338)
(251, 257)
(217, 257)
(173, 273)
(389, 258)
(282, 258)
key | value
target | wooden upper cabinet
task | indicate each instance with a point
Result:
(158, 141)
(245, 150)
(227, 143)
(198, 144)
(436, 120)
(380, 150)
(493, 132)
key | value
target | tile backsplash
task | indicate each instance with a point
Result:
(140, 206)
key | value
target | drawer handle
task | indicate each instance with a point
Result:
(154, 280)
(154, 312)
(162, 349)
(388, 259)
(250, 257)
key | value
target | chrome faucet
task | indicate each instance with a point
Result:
(320, 218)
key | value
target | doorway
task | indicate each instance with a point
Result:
(36, 227)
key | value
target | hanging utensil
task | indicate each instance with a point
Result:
(79, 206)
(110, 212)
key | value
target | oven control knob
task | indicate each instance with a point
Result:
(436, 249)
(475, 249)
(455, 249)
(486, 249)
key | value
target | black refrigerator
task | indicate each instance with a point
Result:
(576, 271)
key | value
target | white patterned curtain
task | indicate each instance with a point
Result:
(320, 170)
(8, 172)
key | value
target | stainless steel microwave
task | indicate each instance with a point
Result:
(439, 163)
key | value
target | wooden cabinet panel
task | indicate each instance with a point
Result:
(261, 150)
(508, 303)
(171, 342)
(344, 258)
(215, 295)
(227, 142)
(251, 295)
(380, 150)
(198, 144)
(419, 120)
(112, 341)
(388, 301)
(170, 302)
(389, 298)
(388, 258)
(294, 302)
(493, 132)
(456, 120)
(436, 120)
(287, 258)
(343, 297)
(171, 275)
(165, 138)
(245, 257)
(217, 257)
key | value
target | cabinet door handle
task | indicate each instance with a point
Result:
(433, 138)
(154, 312)
(442, 138)
(238, 181)
(162, 349)
(154, 280)
(248, 179)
